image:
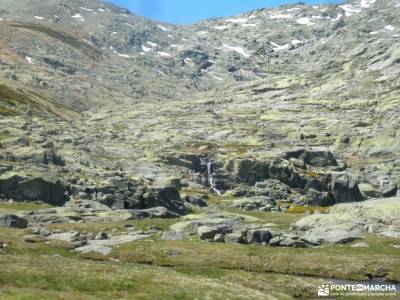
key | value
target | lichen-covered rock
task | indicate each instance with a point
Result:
(344, 188)
(13, 221)
(32, 188)
(317, 158)
(350, 221)
(167, 197)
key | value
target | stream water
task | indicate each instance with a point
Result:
(210, 175)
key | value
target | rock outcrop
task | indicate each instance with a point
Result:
(23, 187)
(347, 222)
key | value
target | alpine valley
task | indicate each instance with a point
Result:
(249, 157)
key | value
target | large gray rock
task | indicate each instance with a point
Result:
(344, 188)
(350, 221)
(258, 236)
(337, 234)
(249, 170)
(167, 197)
(13, 221)
(317, 158)
(32, 188)
(261, 203)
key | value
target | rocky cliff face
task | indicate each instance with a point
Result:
(296, 105)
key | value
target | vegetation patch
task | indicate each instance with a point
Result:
(85, 48)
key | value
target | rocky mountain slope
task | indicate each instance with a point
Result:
(278, 128)
(108, 116)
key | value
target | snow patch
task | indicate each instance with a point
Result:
(350, 10)
(249, 25)
(221, 27)
(389, 27)
(367, 3)
(278, 15)
(162, 28)
(237, 20)
(279, 47)
(339, 16)
(164, 54)
(123, 55)
(100, 10)
(237, 49)
(78, 17)
(87, 9)
(187, 60)
(152, 44)
(202, 32)
(39, 18)
(297, 42)
(304, 21)
(146, 49)
(29, 59)
(217, 78)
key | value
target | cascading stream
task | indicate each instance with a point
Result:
(211, 178)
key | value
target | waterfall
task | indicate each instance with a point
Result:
(211, 178)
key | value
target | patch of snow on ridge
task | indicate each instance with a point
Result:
(279, 47)
(152, 44)
(389, 27)
(297, 42)
(164, 54)
(374, 32)
(278, 15)
(78, 16)
(29, 59)
(237, 49)
(367, 3)
(87, 9)
(237, 20)
(350, 10)
(39, 18)
(146, 49)
(339, 16)
(162, 28)
(304, 21)
(123, 55)
(217, 78)
(221, 27)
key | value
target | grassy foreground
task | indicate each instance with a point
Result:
(189, 269)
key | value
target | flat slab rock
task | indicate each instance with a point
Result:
(351, 221)
(104, 247)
